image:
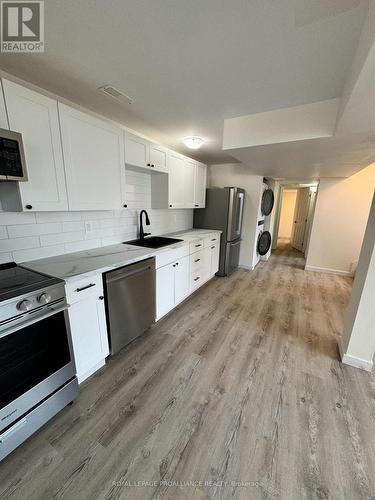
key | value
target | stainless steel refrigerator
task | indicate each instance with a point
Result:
(224, 211)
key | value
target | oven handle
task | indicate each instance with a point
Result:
(5, 435)
(13, 329)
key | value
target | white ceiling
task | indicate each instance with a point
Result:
(190, 64)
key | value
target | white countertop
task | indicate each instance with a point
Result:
(73, 266)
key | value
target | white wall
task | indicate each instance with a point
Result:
(30, 236)
(357, 345)
(341, 213)
(288, 204)
(236, 174)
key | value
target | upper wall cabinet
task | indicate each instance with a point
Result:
(200, 180)
(145, 155)
(36, 117)
(94, 161)
(176, 190)
(158, 158)
(137, 151)
(185, 186)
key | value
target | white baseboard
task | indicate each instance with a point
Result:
(347, 359)
(328, 270)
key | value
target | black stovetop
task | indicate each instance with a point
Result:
(17, 280)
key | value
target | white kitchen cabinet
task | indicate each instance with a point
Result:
(189, 183)
(36, 117)
(200, 185)
(172, 285)
(88, 325)
(176, 191)
(164, 290)
(158, 158)
(137, 151)
(181, 279)
(214, 259)
(94, 161)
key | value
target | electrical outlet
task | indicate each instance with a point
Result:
(88, 227)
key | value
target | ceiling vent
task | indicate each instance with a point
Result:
(116, 94)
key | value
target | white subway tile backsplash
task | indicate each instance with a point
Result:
(13, 244)
(73, 226)
(6, 257)
(38, 253)
(30, 236)
(57, 216)
(34, 229)
(52, 239)
(9, 218)
(77, 246)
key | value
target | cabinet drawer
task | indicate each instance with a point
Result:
(79, 290)
(171, 255)
(197, 260)
(211, 240)
(196, 245)
(197, 279)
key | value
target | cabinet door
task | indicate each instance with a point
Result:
(158, 158)
(200, 186)
(36, 117)
(214, 263)
(100, 309)
(137, 151)
(94, 161)
(189, 177)
(86, 336)
(181, 283)
(176, 181)
(164, 290)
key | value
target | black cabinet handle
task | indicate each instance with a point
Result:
(196, 246)
(213, 239)
(29, 207)
(197, 205)
(101, 297)
(148, 164)
(85, 287)
(176, 263)
(212, 248)
(197, 260)
(196, 279)
(125, 206)
(170, 206)
(152, 165)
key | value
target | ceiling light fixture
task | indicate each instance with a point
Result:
(193, 142)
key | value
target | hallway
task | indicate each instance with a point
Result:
(239, 388)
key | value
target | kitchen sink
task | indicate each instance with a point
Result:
(153, 242)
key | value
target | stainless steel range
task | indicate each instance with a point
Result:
(37, 370)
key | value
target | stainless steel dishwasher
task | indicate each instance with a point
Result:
(130, 302)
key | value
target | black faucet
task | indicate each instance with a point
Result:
(142, 234)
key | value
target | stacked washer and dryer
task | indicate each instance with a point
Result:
(263, 239)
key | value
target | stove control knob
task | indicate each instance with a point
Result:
(44, 298)
(24, 305)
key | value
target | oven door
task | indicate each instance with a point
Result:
(36, 359)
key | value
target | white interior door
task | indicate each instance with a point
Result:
(300, 218)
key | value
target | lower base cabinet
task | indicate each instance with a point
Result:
(88, 326)
(172, 285)
(181, 271)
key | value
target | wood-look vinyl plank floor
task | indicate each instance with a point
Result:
(238, 393)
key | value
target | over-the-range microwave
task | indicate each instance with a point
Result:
(12, 156)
